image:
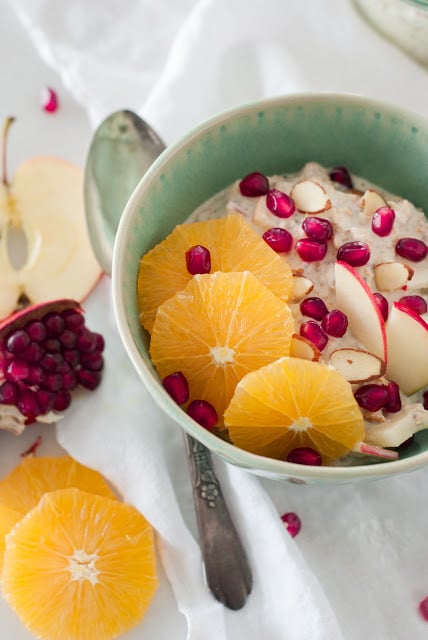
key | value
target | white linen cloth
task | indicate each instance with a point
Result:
(359, 566)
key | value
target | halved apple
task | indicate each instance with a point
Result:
(356, 300)
(407, 336)
(43, 208)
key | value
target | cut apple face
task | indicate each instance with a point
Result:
(356, 300)
(407, 335)
(43, 204)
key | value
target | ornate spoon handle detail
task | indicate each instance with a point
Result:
(226, 566)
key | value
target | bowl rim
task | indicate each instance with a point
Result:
(267, 467)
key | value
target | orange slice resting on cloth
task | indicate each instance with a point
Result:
(233, 245)
(220, 327)
(79, 566)
(294, 403)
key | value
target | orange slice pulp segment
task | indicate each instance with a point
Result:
(220, 327)
(23, 487)
(294, 403)
(79, 566)
(233, 246)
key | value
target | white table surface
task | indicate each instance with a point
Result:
(65, 134)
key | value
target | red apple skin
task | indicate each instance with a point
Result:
(362, 283)
(411, 313)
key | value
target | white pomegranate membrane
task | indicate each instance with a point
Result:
(337, 216)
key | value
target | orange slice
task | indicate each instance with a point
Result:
(294, 403)
(34, 476)
(233, 246)
(79, 566)
(219, 328)
(8, 518)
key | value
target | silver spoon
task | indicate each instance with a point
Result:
(121, 151)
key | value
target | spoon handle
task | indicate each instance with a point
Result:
(226, 565)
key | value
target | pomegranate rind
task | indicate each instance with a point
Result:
(36, 312)
(234, 247)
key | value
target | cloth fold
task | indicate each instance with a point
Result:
(358, 567)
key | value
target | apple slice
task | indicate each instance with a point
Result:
(399, 427)
(371, 201)
(390, 276)
(310, 197)
(365, 320)
(407, 336)
(44, 203)
(357, 365)
(301, 347)
(373, 450)
(262, 217)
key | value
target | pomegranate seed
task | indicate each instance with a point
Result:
(87, 341)
(68, 339)
(423, 608)
(411, 249)
(425, 400)
(100, 343)
(198, 260)
(292, 522)
(52, 345)
(313, 332)
(50, 102)
(89, 379)
(254, 184)
(311, 250)
(383, 221)
(393, 402)
(177, 386)
(52, 382)
(354, 253)
(36, 376)
(278, 239)
(73, 320)
(33, 353)
(317, 228)
(335, 323)
(8, 393)
(69, 380)
(383, 305)
(54, 324)
(280, 204)
(92, 361)
(36, 330)
(27, 404)
(305, 455)
(51, 362)
(62, 400)
(45, 400)
(72, 356)
(203, 413)
(17, 370)
(372, 397)
(314, 308)
(341, 175)
(415, 303)
(17, 341)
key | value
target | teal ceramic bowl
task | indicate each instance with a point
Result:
(385, 144)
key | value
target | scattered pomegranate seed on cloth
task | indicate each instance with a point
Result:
(292, 522)
(50, 102)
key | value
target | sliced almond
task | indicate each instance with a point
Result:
(301, 347)
(357, 365)
(310, 197)
(371, 201)
(390, 276)
(302, 286)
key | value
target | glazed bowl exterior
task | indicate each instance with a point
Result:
(383, 143)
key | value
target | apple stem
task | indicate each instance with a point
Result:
(8, 122)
